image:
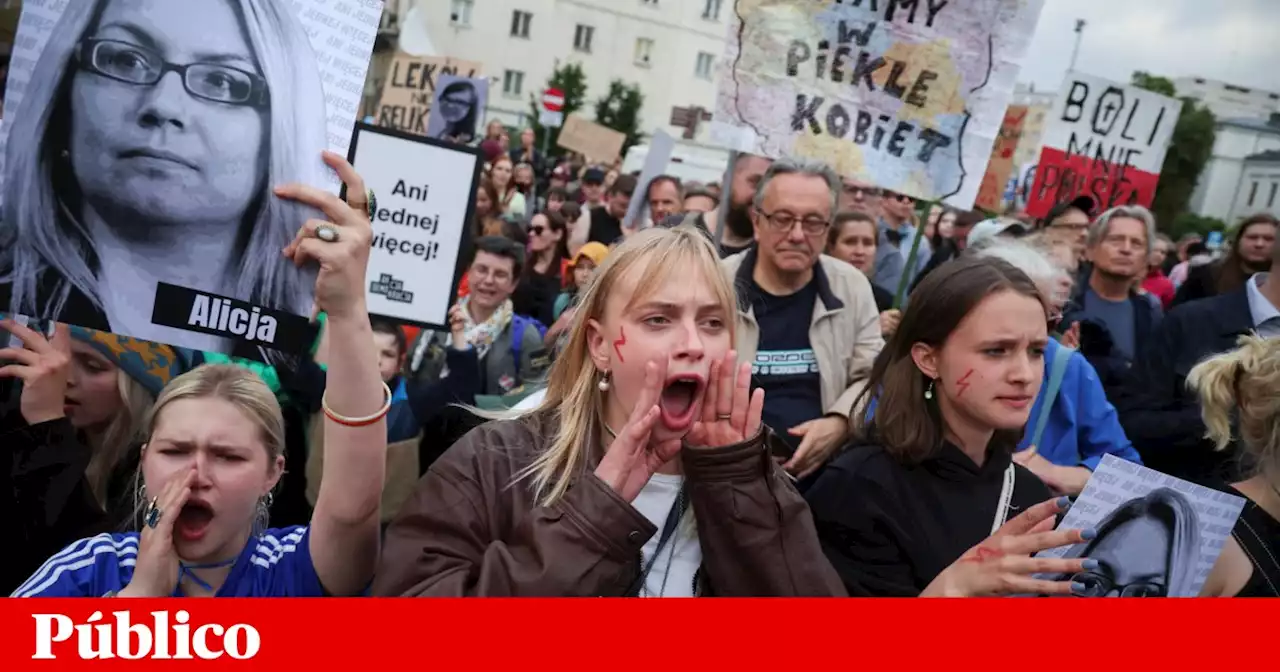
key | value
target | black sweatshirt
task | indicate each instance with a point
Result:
(890, 529)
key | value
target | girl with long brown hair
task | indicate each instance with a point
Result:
(906, 510)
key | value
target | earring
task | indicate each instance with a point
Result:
(604, 382)
(928, 391)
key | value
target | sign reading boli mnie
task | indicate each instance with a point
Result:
(1103, 140)
(411, 86)
(905, 94)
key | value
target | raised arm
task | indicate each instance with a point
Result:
(344, 534)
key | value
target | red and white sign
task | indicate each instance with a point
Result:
(553, 100)
(1102, 140)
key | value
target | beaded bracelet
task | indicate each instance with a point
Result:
(357, 422)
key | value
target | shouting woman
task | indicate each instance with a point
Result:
(643, 471)
(213, 456)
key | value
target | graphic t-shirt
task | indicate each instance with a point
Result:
(276, 563)
(785, 366)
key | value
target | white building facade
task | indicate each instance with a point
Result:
(1238, 179)
(669, 48)
(1229, 101)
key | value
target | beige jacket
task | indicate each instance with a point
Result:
(844, 332)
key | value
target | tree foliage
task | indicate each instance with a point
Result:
(570, 79)
(620, 110)
(1189, 151)
(1189, 222)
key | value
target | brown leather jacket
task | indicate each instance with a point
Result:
(467, 531)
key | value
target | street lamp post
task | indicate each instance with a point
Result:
(1075, 52)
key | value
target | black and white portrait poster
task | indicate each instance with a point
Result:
(142, 141)
(426, 192)
(458, 109)
(1158, 536)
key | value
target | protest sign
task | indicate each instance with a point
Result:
(1102, 140)
(1158, 536)
(458, 108)
(426, 193)
(661, 145)
(410, 88)
(596, 142)
(991, 194)
(173, 234)
(907, 96)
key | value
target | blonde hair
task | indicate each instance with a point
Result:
(119, 436)
(241, 387)
(1242, 383)
(573, 395)
(37, 236)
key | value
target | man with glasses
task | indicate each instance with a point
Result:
(811, 375)
(897, 232)
(1069, 223)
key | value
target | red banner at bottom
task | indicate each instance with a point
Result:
(379, 634)
(1061, 178)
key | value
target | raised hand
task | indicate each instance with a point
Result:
(631, 460)
(457, 327)
(1002, 563)
(156, 573)
(43, 366)
(730, 410)
(343, 259)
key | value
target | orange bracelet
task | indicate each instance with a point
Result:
(357, 422)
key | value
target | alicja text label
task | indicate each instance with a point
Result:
(99, 639)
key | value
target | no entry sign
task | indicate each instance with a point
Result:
(553, 100)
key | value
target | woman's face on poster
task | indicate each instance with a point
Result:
(455, 105)
(1133, 559)
(168, 114)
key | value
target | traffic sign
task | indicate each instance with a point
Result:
(551, 119)
(553, 100)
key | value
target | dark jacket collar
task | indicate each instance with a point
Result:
(744, 281)
(1231, 312)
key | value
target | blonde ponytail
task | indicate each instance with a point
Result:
(1243, 384)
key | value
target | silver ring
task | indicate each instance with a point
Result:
(327, 233)
(152, 515)
(724, 416)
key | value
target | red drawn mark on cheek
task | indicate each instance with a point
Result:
(963, 384)
(617, 345)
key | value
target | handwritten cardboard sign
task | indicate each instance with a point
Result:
(410, 88)
(596, 142)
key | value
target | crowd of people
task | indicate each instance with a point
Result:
(794, 384)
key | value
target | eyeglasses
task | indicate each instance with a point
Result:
(783, 221)
(1098, 585)
(537, 230)
(902, 198)
(132, 64)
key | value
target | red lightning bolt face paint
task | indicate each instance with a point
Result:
(963, 384)
(617, 345)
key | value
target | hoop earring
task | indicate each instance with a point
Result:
(928, 391)
(604, 382)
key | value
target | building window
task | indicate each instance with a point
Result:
(705, 63)
(644, 48)
(711, 10)
(1271, 200)
(461, 13)
(582, 37)
(520, 23)
(1253, 194)
(512, 83)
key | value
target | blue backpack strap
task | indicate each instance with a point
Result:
(518, 323)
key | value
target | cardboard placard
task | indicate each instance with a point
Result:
(410, 89)
(425, 190)
(596, 142)
(999, 168)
